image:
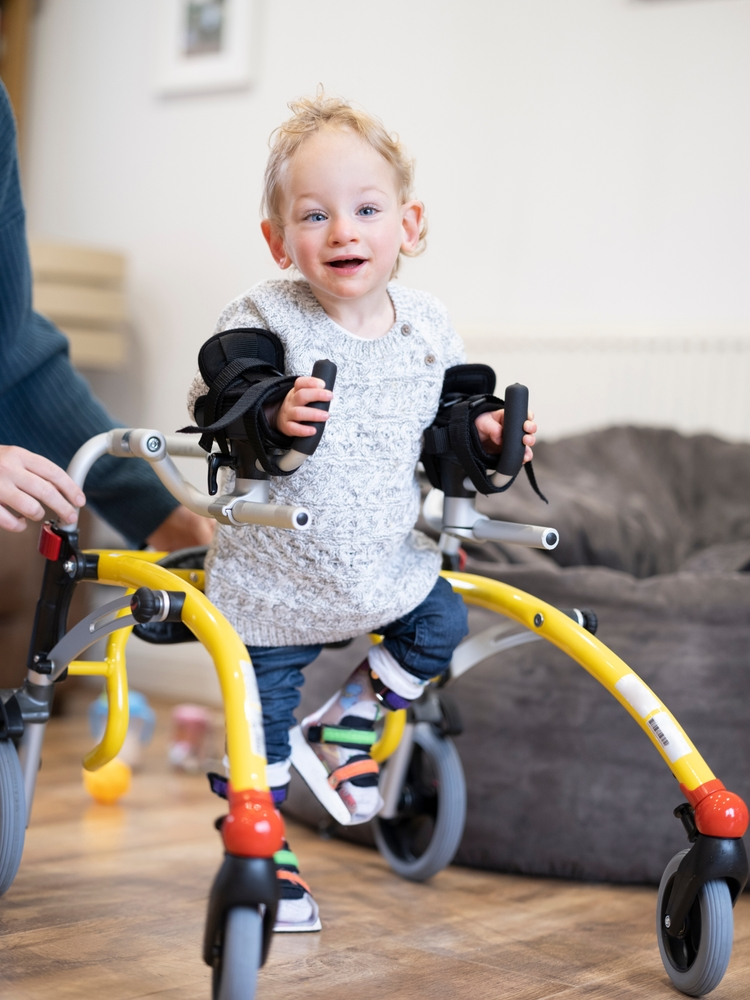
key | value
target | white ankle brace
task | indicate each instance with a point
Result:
(393, 675)
(278, 774)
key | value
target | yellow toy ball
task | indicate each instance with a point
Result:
(109, 783)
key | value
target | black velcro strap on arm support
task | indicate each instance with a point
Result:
(467, 393)
(243, 371)
(466, 444)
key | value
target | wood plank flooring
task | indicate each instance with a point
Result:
(109, 903)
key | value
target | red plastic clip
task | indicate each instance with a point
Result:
(254, 827)
(49, 543)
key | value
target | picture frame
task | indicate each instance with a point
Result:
(204, 46)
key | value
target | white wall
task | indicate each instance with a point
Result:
(585, 166)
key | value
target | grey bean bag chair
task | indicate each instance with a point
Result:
(655, 537)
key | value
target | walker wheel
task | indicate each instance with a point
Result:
(235, 969)
(696, 963)
(12, 814)
(423, 837)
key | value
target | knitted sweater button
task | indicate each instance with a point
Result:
(429, 359)
(406, 329)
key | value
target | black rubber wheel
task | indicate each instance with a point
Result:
(423, 837)
(235, 971)
(12, 814)
(696, 963)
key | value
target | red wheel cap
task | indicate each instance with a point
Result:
(721, 814)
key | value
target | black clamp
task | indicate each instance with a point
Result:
(11, 720)
(40, 663)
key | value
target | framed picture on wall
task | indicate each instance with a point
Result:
(204, 45)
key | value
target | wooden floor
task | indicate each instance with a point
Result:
(109, 903)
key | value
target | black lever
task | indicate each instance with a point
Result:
(215, 461)
(516, 413)
(327, 371)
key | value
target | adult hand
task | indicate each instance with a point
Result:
(182, 529)
(27, 481)
(490, 427)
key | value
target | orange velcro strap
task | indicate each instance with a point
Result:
(353, 770)
(293, 877)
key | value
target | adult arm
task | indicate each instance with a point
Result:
(46, 407)
(52, 412)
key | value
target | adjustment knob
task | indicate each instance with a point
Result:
(146, 605)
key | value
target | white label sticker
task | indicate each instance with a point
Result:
(253, 712)
(637, 695)
(663, 727)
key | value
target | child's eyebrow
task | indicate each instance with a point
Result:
(368, 189)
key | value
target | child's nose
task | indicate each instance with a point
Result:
(342, 230)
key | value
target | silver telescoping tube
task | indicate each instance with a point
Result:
(532, 535)
(89, 452)
(81, 463)
(249, 512)
(154, 447)
(30, 756)
(184, 446)
(180, 488)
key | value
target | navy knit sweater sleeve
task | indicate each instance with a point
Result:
(45, 405)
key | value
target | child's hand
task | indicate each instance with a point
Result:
(490, 427)
(294, 408)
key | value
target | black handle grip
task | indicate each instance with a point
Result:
(327, 371)
(516, 413)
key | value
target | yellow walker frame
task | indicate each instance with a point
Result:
(230, 657)
(253, 829)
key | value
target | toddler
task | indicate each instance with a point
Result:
(338, 207)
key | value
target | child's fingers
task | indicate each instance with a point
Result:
(303, 414)
(297, 430)
(490, 427)
(298, 419)
(308, 381)
(312, 394)
(528, 455)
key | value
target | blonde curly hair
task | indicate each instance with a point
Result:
(315, 114)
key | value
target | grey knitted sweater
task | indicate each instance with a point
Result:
(361, 564)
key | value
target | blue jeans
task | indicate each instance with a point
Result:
(422, 642)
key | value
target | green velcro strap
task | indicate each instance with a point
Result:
(336, 734)
(286, 858)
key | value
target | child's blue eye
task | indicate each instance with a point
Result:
(367, 210)
(315, 217)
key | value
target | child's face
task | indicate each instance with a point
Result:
(343, 222)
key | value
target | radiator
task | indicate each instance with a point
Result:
(577, 383)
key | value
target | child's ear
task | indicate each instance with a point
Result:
(412, 214)
(274, 237)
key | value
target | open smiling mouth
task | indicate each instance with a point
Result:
(348, 263)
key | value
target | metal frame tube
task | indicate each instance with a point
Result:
(29, 757)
